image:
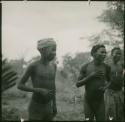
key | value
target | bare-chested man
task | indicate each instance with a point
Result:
(114, 95)
(94, 76)
(42, 73)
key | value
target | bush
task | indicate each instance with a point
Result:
(9, 113)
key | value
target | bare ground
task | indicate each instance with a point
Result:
(69, 103)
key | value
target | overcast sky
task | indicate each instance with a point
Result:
(24, 23)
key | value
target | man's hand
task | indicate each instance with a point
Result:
(123, 90)
(43, 91)
(98, 74)
(106, 86)
(103, 88)
(54, 110)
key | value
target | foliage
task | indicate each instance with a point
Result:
(9, 76)
(114, 15)
(9, 113)
(71, 66)
(106, 37)
(18, 65)
(34, 59)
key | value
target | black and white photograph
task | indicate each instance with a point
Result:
(62, 60)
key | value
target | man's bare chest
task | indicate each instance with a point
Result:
(92, 68)
(44, 72)
(116, 69)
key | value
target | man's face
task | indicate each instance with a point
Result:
(50, 52)
(116, 55)
(100, 54)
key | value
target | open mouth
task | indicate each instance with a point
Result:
(51, 56)
(102, 57)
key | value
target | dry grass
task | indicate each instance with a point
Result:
(69, 102)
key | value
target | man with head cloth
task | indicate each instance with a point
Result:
(42, 73)
(45, 43)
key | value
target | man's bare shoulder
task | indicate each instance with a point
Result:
(33, 64)
(53, 63)
(121, 63)
(107, 65)
(85, 64)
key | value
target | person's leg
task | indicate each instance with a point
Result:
(48, 111)
(100, 110)
(107, 104)
(110, 105)
(89, 115)
(39, 111)
(34, 113)
(119, 106)
(48, 117)
(122, 104)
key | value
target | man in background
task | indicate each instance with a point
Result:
(114, 95)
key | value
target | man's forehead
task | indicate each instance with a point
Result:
(51, 47)
(101, 49)
(117, 50)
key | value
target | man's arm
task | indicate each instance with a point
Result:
(22, 83)
(82, 76)
(54, 99)
(24, 79)
(89, 77)
(54, 106)
(108, 77)
(84, 80)
(123, 73)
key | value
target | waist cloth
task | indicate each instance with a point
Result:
(40, 111)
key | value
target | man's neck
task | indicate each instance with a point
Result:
(97, 62)
(44, 61)
(115, 62)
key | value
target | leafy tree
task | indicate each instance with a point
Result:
(18, 65)
(68, 65)
(34, 59)
(72, 65)
(113, 16)
(106, 37)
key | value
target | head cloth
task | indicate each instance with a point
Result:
(45, 43)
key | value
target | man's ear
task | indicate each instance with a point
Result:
(44, 50)
(40, 50)
(94, 54)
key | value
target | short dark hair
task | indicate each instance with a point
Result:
(115, 48)
(95, 48)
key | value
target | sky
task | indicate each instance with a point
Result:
(24, 23)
